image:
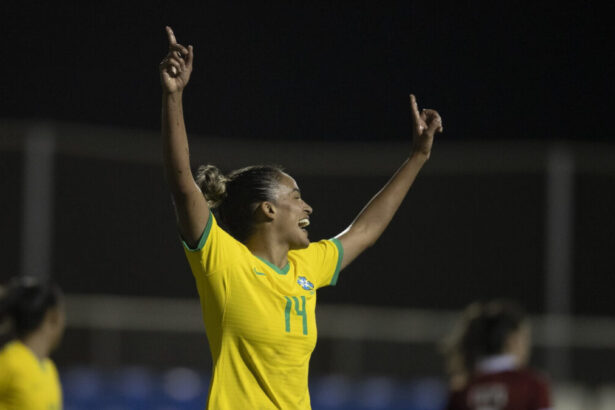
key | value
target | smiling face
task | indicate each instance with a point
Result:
(293, 214)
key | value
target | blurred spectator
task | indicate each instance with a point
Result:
(32, 312)
(487, 356)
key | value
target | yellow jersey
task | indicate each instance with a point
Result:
(27, 383)
(259, 319)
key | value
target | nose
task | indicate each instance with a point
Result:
(308, 208)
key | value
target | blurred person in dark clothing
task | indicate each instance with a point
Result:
(487, 354)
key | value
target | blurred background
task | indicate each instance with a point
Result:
(515, 202)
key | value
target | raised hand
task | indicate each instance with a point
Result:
(424, 126)
(176, 66)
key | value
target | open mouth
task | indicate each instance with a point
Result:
(304, 223)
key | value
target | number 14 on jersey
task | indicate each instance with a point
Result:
(299, 310)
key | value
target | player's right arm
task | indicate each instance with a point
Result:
(190, 205)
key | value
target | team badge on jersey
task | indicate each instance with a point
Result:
(304, 283)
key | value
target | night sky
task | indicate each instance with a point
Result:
(319, 70)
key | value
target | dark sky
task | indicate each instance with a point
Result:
(319, 70)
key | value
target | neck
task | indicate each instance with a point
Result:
(38, 343)
(264, 245)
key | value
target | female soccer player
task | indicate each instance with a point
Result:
(488, 353)
(258, 276)
(28, 378)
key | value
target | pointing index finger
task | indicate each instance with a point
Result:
(171, 36)
(415, 110)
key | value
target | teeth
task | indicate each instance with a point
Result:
(304, 223)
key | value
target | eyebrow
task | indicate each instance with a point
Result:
(296, 190)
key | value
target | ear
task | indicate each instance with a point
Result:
(268, 209)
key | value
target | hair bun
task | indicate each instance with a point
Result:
(212, 183)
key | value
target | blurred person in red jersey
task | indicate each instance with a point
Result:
(487, 354)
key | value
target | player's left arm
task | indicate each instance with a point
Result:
(367, 227)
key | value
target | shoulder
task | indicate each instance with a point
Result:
(49, 364)
(527, 380)
(11, 353)
(318, 254)
(533, 375)
(214, 238)
(52, 372)
(322, 260)
(322, 246)
(539, 380)
(517, 376)
(11, 360)
(211, 225)
(540, 386)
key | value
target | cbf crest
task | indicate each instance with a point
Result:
(304, 283)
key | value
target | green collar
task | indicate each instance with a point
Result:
(277, 270)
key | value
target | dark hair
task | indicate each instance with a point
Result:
(25, 302)
(483, 330)
(236, 196)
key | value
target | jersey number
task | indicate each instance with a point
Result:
(300, 311)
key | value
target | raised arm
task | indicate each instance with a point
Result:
(190, 206)
(375, 217)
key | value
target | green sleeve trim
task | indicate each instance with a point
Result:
(204, 236)
(340, 258)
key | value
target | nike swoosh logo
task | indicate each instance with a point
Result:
(258, 273)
